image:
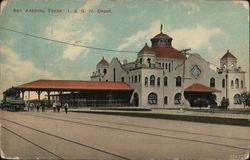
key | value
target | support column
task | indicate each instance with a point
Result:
(48, 92)
(39, 95)
(22, 92)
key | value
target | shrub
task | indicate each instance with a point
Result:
(200, 102)
(224, 103)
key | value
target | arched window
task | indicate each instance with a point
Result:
(114, 74)
(178, 81)
(149, 60)
(135, 79)
(241, 84)
(132, 79)
(165, 100)
(166, 66)
(177, 98)
(140, 60)
(152, 98)
(165, 81)
(122, 79)
(163, 65)
(146, 81)
(223, 83)
(212, 82)
(237, 99)
(104, 71)
(152, 80)
(139, 78)
(236, 83)
(232, 84)
(169, 67)
(158, 81)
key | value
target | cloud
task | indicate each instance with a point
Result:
(195, 37)
(14, 70)
(244, 3)
(140, 36)
(75, 29)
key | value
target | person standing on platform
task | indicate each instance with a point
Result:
(43, 106)
(54, 106)
(37, 107)
(66, 106)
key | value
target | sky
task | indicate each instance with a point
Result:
(209, 28)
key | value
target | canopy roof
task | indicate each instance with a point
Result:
(197, 87)
(74, 85)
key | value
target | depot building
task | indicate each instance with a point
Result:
(163, 76)
(160, 76)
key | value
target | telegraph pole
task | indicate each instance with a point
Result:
(184, 51)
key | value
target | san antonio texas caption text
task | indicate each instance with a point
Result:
(62, 11)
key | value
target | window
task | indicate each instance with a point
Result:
(158, 81)
(122, 79)
(178, 81)
(241, 84)
(152, 80)
(140, 60)
(104, 71)
(132, 79)
(114, 74)
(166, 66)
(165, 100)
(165, 81)
(237, 99)
(177, 98)
(223, 83)
(149, 60)
(162, 65)
(169, 67)
(232, 84)
(146, 81)
(212, 82)
(236, 83)
(129, 79)
(135, 79)
(152, 98)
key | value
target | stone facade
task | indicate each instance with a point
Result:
(157, 75)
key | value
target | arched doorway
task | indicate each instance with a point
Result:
(136, 99)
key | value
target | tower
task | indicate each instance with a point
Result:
(228, 61)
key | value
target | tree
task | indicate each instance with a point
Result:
(245, 98)
(200, 102)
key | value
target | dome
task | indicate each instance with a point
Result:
(162, 35)
(103, 62)
(145, 48)
(228, 55)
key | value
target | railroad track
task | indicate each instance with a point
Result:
(145, 133)
(59, 137)
(141, 126)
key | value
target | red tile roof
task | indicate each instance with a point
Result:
(167, 52)
(161, 35)
(228, 55)
(76, 84)
(145, 48)
(197, 87)
(103, 61)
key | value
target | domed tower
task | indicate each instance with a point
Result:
(102, 66)
(162, 46)
(161, 39)
(228, 61)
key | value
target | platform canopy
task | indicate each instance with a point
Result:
(72, 85)
(197, 87)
